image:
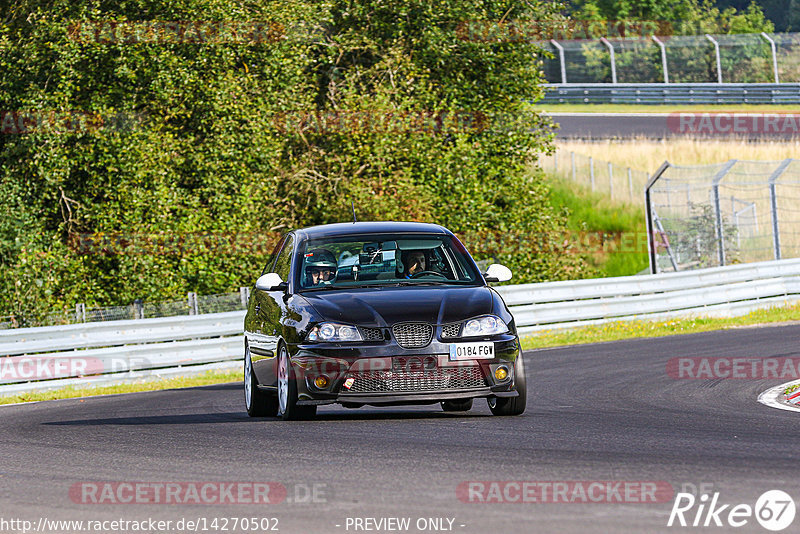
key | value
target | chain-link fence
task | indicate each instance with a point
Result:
(620, 183)
(732, 212)
(739, 58)
(139, 309)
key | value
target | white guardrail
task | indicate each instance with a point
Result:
(109, 352)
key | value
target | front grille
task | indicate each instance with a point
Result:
(397, 381)
(412, 335)
(451, 330)
(372, 334)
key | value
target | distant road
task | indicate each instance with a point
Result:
(667, 125)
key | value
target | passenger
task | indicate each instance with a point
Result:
(320, 268)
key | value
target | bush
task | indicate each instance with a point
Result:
(179, 163)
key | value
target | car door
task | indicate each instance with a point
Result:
(269, 310)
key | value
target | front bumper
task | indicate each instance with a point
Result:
(387, 374)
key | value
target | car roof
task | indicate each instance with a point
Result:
(371, 227)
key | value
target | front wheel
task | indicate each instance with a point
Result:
(257, 402)
(287, 391)
(512, 405)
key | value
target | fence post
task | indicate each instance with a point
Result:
(773, 200)
(591, 171)
(138, 309)
(630, 184)
(774, 56)
(572, 156)
(663, 58)
(613, 59)
(555, 162)
(611, 179)
(718, 211)
(561, 60)
(649, 214)
(80, 313)
(191, 297)
(716, 52)
(244, 294)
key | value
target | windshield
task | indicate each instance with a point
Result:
(385, 259)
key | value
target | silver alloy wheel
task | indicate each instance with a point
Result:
(283, 381)
(248, 381)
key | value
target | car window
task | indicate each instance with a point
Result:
(284, 261)
(384, 259)
(268, 267)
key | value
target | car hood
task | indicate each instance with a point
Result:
(389, 305)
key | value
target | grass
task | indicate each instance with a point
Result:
(685, 108)
(211, 377)
(647, 155)
(594, 213)
(644, 329)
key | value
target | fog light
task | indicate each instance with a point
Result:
(321, 382)
(501, 373)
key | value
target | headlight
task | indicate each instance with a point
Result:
(484, 326)
(334, 332)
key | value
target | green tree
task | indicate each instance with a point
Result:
(227, 143)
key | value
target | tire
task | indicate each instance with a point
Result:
(512, 405)
(288, 409)
(257, 402)
(461, 405)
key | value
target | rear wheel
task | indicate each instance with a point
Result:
(461, 405)
(287, 391)
(512, 405)
(257, 402)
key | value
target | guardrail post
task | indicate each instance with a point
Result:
(138, 309)
(651, 246)
(717, 210)
(561, 60)
(773, 200)
(613, 59)
(80, 313)
(716, 52)
(663, 58)
(774, 56)
(244, 294)
(191, 297)
(555, 162)
(591, 171)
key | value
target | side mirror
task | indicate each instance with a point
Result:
(497, 273)
(271, 282)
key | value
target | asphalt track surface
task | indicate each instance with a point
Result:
(663, 126)
(606, 412)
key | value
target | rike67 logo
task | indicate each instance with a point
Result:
(774, 510)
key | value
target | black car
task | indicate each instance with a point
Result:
(378, 313)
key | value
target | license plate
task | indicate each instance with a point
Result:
(471, 351)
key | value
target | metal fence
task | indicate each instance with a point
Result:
(193, 304)
(672, 93)
(618, 182)
(716, 215)
(739, 58)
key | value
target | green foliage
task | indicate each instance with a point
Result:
(211, 148)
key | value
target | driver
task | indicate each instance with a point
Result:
(415, 262)
(320, 267)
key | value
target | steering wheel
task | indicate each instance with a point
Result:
(423, 273)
